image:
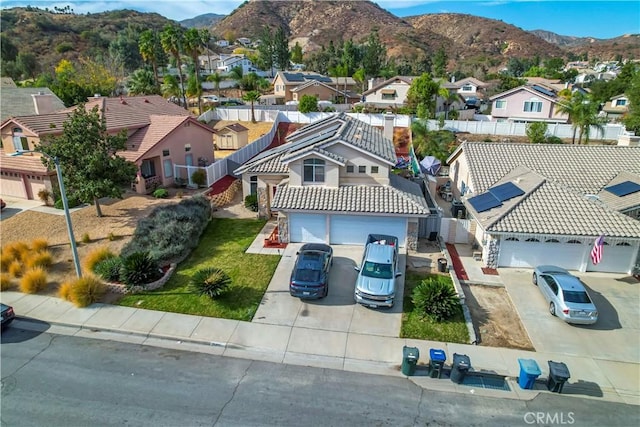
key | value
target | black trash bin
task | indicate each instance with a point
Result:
(442, 265)
(558, 375)
(460, 367)
(410, 356)
(437, 358)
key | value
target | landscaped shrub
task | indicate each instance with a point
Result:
(109, 269)
(86, 238)
(42, 259)
(16, 268)
(16, 250)
(199, 177)
(436, 298)
(138, 269)
(45, 196)
(161, 193)
(5, 260)
(210, 281)
(33, 281)
(554, 140)
(170, 231)
(111, 236)
(86, 291)
(64, 291)
(96, 256)
(39, 244)
(251, 202)
(5, 282)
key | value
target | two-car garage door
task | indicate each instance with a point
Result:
(344, 229)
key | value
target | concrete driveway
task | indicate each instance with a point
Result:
(616, 335)
(338, 312)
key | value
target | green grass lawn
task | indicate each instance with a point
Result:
(414, 325)
(222, 245)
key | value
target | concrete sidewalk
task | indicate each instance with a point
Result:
(612, 381)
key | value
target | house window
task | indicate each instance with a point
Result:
(168, 168)
(501, 104)
(533, 106)
(187, 147)
(350, 168)
(388, 94)
(374, 169)
(314, 170)
(253, 185)
(621, 102)
(165, 153)
(467, 88)
(147, 169)
(575, 242)
(20, 142)
(362, 169)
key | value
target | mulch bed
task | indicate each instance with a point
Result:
(490, 271)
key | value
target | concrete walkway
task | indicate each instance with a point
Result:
(291, 344)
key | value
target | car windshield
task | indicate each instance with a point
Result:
(578, 297)
(380, 271)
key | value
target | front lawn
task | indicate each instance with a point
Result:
(415, 325)
(222, 245)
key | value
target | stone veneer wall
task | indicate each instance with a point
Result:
(491, 250)
(221, 199)
(412, 236)
(119, 288)
(283, 228)
(263, 208)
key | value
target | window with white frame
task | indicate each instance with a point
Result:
(313, 170)
(350, 168)
(168, 168)
(501, 104)
(533, 105)
(467, 88)
(20, 142)
(621, 102)
(374, 169)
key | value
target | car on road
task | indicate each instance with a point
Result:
(3, 204)
(566, 295)
(210, 98)
(310, 275)
(7, 315)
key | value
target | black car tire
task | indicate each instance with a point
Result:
(534, 279)
(552, 309)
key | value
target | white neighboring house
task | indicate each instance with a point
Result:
(331, 182)
(470, 87)
(536, 204)
(228, 62)
(222, 43)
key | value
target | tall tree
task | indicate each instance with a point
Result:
(170, 87)
(216, 79)
(440, 63)
(281, 53)
(374, 55)
(87, 153)
(632, 119)
(141, 82)
(27, 64)
(172, 42)
(193, 44)
(296, 54)
(423, 94)
(252, 96)
(148, 46)
(266, 50)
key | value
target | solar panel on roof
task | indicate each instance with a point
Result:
(506, 191)
(623, 189)
(484, 202)
(294, 77)
(543, 90)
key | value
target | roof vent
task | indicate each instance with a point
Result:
(146, 100)
(96, 95)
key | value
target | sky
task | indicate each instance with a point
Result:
(580, 18)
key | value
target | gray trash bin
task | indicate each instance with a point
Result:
(410, 356)
(442, 265)
(460, 367)
(558, 375)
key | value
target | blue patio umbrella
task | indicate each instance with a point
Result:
(430, 165)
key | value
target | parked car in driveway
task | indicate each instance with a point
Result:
(566, 295)
(310, 275)
(7, 315)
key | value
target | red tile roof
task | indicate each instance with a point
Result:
(26, 162)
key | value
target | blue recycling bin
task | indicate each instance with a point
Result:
(437, 358)
(529, 372)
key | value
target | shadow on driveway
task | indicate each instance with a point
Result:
(607, 314)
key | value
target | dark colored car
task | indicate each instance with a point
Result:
(310, 275)
(7, 315)
(231, 103)
(2, 204)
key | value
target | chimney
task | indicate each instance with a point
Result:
(388, 126)
(453, 79)
(370, 84)
(43, 103)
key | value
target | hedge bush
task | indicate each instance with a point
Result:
(86, 290)
(161, 193)
(170, 231)
(33, 281)
(109, 269)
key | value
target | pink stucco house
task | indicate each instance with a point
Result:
(161, 135)
(534, 103)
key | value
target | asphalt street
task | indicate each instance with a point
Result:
(58, 380)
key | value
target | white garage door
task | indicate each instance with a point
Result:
(353, 229)
(615, 259)
(12, 186)
(532, 254)
(307, 228)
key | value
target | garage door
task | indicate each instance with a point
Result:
(615, 259)
(307, 228)
(532, 254)
(12, 186)
(353, 229)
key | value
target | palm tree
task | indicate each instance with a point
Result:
(192, 46)
(236, 74)
(170, 87)
(570, 105)
(589, 118)
(172, 42)
(147, 46)
(141, 82)
(252, 96)
(216, 79)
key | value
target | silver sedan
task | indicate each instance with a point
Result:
(566, 295)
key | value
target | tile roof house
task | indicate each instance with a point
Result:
(285, 82)
(332, 182)
(471, 87)
(24, 101)
(161, 136)
(537, 204)
(616, 107)
(535, 103)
